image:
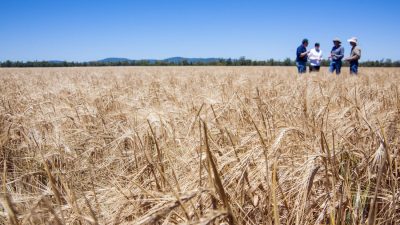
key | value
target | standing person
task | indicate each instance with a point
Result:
(315, 57)
(355, 55)
(301, 56)
(336, 57)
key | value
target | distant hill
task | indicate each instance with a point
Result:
(56, 61)
(114, 60)
(168, 60)
(191, 60)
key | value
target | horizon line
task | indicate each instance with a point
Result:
(182, 57)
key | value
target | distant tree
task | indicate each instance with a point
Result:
(185, 62)
(387, 63)
(242, 61)
(287, 62)
(229, 62)
(7, 63)
(271, 62)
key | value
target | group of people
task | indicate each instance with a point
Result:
(314, 56)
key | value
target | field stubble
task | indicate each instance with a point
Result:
(199, 145)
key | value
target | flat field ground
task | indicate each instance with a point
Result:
(199, 145)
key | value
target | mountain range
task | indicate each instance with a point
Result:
(167, 60)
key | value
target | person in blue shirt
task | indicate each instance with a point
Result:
(336, 57)
(301, 56)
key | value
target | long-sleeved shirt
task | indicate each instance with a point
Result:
(301, 49)
(315, 57)
(338, 53)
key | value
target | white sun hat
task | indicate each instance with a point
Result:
(353, 39)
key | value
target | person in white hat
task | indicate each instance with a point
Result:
(355, 55)
(336, 57)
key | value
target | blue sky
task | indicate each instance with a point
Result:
(89, 30)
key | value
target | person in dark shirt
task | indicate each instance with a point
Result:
(336, 57)
(301, 56)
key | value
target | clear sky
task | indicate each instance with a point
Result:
(258, 29)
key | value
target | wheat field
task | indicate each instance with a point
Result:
(199, 145)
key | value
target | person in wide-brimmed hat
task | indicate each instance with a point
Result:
(355, 55)
(301, 56)
(336, 57)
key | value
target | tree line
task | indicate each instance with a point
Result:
(242, 61)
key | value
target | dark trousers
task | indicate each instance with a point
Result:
(353, 67)
(335, 66)
(314, 68)
(301, 67)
